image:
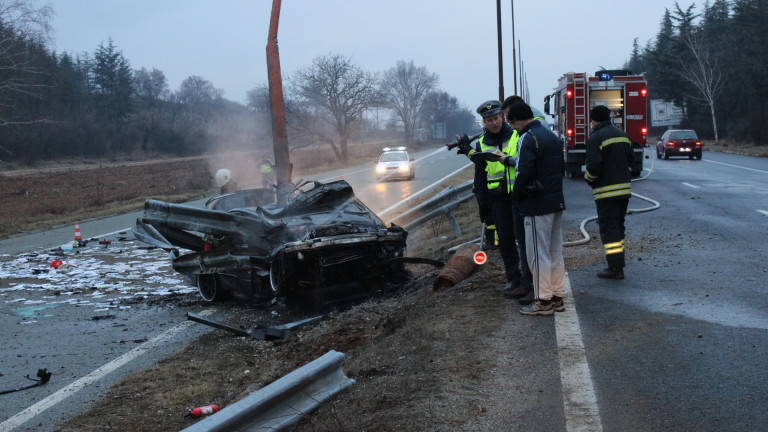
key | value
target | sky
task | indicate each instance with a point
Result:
(224, 41)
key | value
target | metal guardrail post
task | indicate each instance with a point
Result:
(283, 403)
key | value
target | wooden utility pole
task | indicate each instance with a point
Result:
(283, 164)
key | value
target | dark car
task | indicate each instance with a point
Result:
(679, 142)
(244, 245)
(395, 164)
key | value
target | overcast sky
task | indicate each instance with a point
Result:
(224, 41)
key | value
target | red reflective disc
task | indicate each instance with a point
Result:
(480, 257)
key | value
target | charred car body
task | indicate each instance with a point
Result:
(321, 242)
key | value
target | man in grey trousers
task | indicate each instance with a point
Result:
(538, 193)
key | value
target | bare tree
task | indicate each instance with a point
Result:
(704, 74)
(337, 92)
(151, 89)
(24, 28)
(406, 87)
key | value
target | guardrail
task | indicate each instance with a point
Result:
(441, 204)
(283, 403)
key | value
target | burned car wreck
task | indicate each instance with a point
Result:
(323, 244)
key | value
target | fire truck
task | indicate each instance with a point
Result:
(577, 93)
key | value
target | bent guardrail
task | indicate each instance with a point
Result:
(440, 204)
(283, 403)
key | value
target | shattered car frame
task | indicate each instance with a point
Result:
(322, 242)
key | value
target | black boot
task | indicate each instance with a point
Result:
(611, 273)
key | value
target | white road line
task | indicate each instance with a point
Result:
(579, 401)
(763, 212)
(736, 166)
(96, 375)
(691, 186)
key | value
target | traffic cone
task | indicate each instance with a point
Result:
(78, 237)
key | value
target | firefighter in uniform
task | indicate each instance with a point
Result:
(609, 161)
(494, 157)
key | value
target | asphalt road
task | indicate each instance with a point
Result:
(679, 345)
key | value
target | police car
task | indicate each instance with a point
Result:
(395, 164)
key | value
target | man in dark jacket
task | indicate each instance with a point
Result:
(609, 164)
(494, 159)
(538, 190)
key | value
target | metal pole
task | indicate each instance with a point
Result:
(498, 36)
(277, 107)
(520, 58)
(514, 51)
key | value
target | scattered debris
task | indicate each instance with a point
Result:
(43, 375)
(261, 333)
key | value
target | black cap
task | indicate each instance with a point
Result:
(600, 113)
(489, 108)
(519, 111)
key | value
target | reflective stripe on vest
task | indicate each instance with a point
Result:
(612, 191)
(496, 171)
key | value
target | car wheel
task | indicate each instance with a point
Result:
(690, 157)
(698, 157)
(666, 155)
(209, 288)
(658, 154)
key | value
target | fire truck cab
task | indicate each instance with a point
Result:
(577, 93)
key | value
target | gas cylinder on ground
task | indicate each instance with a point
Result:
(205, 410)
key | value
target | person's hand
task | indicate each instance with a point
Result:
(495, 157)
(483, 213)
(464, 144)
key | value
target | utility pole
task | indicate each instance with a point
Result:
(498, 36)
(277, 108)
(514, 53)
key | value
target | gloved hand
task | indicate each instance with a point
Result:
(464, 144)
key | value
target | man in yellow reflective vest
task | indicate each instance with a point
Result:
(609, 163)
(494, 157)
(267, 172)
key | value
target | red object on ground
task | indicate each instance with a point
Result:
(56, 264)
(480, 257)
(201, 411)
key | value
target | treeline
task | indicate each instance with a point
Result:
(712, 63)
(94, 105)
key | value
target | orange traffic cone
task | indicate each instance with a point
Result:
(78, 237)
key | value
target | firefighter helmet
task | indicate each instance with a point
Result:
(223, 176)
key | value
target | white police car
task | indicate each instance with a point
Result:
(395, 164)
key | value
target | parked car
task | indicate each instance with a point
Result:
(679, 142)
(322, 244)
(395, 164)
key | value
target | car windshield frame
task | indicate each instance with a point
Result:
(395, 156)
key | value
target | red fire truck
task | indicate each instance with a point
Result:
(577, 93)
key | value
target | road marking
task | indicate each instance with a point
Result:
(579, 401)
(737, 166)
(691, 186)
(763, 212)
(96, 375)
